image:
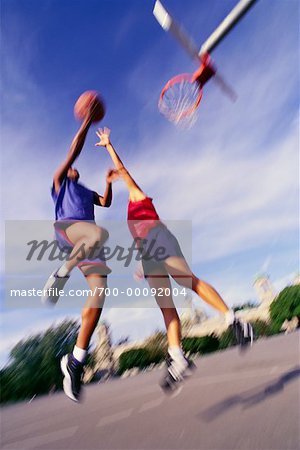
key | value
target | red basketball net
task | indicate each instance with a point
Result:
(181, 96)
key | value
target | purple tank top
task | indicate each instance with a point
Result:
(73, 201)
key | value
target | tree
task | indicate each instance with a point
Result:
(34, 363)
(262, 328)
(227, 339)
(123, 340)
(202, 345)
(157, 346)
(285, 306)
(153, 352)
(247, 305)
(137, 357)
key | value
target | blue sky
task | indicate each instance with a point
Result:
(235, 174)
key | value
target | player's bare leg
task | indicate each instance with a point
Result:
(86, 239)
(182, 274)
(85, 236)
(179, 269)
(160, 281)
(93, 307)
(177, 363)
(72, 364)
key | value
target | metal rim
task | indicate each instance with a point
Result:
(184, 77)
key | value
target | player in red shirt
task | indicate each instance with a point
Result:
(151, 235)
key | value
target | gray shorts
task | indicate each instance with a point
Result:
(158, 246)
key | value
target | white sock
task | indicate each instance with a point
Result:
(229, 317)
(179, 363)
(79, 354)
(63, 271)
(176, 353)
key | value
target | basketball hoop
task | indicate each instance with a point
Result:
(181, 96)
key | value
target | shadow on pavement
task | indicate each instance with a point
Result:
(250, 398)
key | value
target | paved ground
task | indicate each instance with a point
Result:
(233, 402)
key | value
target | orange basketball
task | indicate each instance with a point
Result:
(87, 101)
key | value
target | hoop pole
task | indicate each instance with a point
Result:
(184, 40)
(226, 25)
(167, 22)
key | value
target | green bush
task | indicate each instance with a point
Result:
(285, 307)
(262, 328)
(202, 345)
(227, 339)
(34, 363)
(247, 305)
(157, 346)
(138, 357)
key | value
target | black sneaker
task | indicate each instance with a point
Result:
(243, 332)
(72, 371)
(52, 287)
(176, 374)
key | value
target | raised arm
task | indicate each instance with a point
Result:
(106, 199)
(135, 192)
(73, 153)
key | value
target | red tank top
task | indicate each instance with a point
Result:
(141, 217)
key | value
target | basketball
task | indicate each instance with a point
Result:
(87, 101)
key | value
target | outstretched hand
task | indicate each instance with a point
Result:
(103, 135)
(112, 175)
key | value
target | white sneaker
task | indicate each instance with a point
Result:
(176, 373)
(52, 288)
(72, 371)
(243, 332)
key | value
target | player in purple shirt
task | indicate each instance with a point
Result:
(75, 229)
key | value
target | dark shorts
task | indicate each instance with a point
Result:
(66, 246)
(158, 246)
